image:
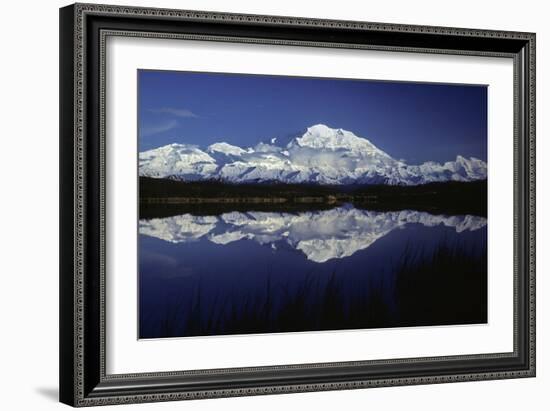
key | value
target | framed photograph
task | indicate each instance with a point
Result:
(261, 204)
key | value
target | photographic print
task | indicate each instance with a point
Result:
(273, 204)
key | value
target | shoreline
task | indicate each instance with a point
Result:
(162, 197)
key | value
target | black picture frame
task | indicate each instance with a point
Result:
(83, 380)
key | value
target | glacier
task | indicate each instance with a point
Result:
(321, 155)
(320, 235)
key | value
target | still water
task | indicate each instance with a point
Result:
(260, 272)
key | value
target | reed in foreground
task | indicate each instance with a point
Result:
(447, 285)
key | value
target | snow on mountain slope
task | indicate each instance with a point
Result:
(320, 155)
(225, 149)
(319, 235)
(177, 160)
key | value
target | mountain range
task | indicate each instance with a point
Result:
(321, 155)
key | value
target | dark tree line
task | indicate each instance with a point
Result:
(161, 197)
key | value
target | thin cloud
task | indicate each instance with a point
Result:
(178, 112)
(151, 130)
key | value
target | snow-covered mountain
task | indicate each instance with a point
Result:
(321, 155)
(319, 235)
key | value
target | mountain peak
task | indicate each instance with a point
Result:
(320, 129)
(325, 138)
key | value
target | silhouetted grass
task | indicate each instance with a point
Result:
(445, 286)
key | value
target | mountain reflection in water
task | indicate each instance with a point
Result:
(319, 235)
(243, 272)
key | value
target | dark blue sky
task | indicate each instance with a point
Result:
(413, 121)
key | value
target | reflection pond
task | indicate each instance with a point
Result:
(243, 272)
